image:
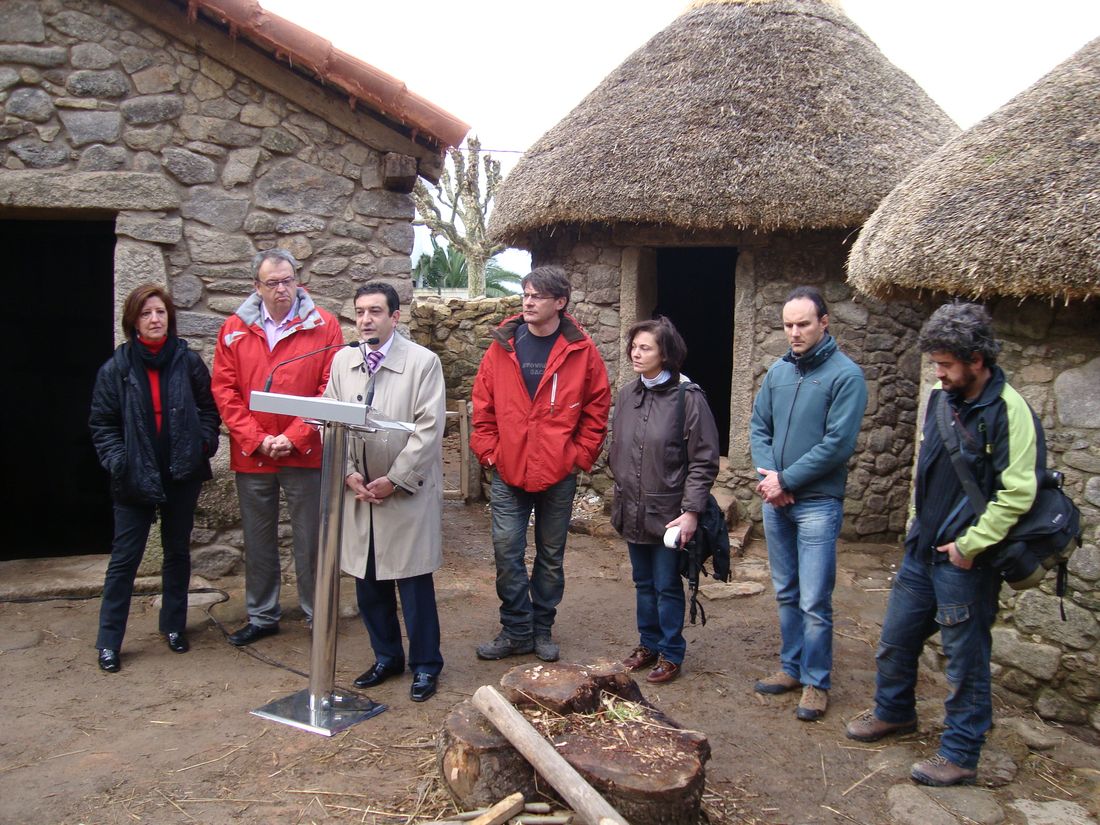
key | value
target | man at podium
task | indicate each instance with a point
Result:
(392, 531)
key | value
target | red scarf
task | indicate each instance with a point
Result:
(154, 378)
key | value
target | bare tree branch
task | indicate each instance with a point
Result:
(462, 196)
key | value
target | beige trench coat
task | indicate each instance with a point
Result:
(407, 525)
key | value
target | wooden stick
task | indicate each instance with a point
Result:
(589, 805)
(501, 812)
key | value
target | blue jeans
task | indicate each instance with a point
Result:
(660, 599)
(528, 605)
(132, 523)
(801, 541)
(962, 605)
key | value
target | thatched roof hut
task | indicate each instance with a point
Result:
(1010, 207)
(760, 114)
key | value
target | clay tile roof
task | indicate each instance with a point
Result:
(760, 114)
(362, 82)
(1010, 207)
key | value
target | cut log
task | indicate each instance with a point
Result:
(591, 807)
(477, 763)
(568, 688)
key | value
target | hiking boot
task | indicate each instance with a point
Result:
(546, 649)
(779, 682)
(869, 728)
(503, 646)
(813, 704)
(940, 771)
(665, 671)
(640, 657)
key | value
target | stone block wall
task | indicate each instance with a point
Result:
(201, 165)
(458, 330)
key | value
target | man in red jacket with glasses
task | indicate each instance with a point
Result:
(271, 452)
(541, 399)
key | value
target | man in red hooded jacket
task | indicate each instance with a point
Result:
(271, 452)
(541, 399)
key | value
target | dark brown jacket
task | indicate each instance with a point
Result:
(652, 484)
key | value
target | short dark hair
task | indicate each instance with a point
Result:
(549, 280)
(380, 288)
(811, 293)
(273, 255)
(135, 302)
(669, 341)
(961, 329)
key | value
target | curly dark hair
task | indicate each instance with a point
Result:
(963, 330)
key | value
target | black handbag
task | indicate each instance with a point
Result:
(1044, 537)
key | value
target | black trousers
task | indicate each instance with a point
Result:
(378, 606)
(132, 523)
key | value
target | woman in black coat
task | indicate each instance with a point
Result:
(154, 426)
(664, 458)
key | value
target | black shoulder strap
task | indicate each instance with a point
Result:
(680, 415)
(692, 549)
(951, 443)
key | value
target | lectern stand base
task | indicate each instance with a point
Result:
(343, 710)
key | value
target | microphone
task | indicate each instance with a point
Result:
(372, 341)
(271, 375)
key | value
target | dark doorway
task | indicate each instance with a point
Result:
(59, 331)
(695, 291)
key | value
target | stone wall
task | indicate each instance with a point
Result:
(457, 330)
(200, 165)
(613, 275)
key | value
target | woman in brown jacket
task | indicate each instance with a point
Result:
(662, 479)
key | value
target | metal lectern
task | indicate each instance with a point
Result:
(322, 708)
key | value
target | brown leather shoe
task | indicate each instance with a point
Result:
(940, 771)
(641, 657)
(665, 671)
(813, 704)
(869, 728)
(779, 682)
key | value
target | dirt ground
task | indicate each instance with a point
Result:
(170, 738)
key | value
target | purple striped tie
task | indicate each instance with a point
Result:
(374, 358)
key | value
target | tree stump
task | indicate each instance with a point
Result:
(643, 763)
(479, 766)
(567, 688)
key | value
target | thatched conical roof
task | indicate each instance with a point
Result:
(760, 114)
(1010, 207)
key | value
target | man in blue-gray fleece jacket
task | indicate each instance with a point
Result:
(805, 420)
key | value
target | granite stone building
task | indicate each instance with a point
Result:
(168, 141)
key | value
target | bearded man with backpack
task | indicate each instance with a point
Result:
(945, 582)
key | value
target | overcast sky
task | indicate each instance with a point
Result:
(513, 69)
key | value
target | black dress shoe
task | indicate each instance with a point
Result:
(423, 687)
(177, 642)
(108, 660)
(377, 674)
(250, 633)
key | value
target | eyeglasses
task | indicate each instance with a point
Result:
(274, 285)
(535, 296)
